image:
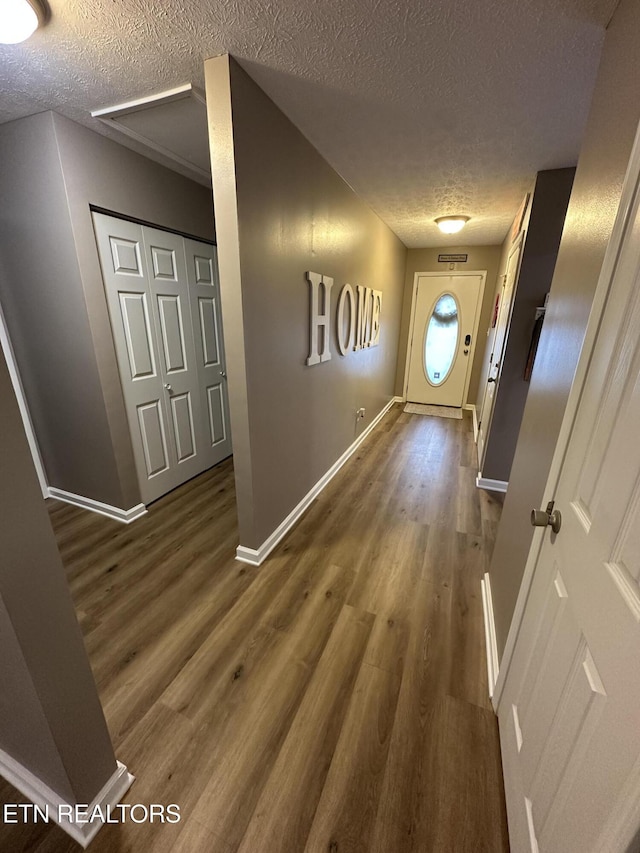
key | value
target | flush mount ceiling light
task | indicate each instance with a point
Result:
(451, 224)
(19, 19)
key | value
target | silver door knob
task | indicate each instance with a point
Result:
(548, 517)
(223, 374)
(168, 387)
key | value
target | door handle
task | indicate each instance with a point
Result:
(223, 374)
(491, 379)
(548, 517)
(168, 387)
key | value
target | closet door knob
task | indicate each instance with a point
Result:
(547, 518)
(168, 387)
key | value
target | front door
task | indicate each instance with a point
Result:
(444, 329)
(570, 708)
(162, 293)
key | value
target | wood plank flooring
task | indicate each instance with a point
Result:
(332, 700)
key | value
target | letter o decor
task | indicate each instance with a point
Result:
(346, 296)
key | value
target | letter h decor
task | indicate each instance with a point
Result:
(319, 318)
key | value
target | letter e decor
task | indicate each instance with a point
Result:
(357, 318)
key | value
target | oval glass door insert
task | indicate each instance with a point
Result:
(441, 339)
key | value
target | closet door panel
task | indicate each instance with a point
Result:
(204, 295)
(175, 335)
(163, 297)
(129, 298)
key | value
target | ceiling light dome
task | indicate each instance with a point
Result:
(19, 19)
(451, 224)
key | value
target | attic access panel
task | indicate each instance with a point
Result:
(171, 123)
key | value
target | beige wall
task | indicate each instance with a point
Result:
(281, 210)
(609, 135)
(51, 288)
(51, 721)
(426, 260)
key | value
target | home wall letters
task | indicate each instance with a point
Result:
(357, 318)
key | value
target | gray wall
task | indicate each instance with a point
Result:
(608, 139)
(97, 171)
(51, 288)
(280, 211)
(426, 260)
(51, 721)
(542, 238)
(43, 302)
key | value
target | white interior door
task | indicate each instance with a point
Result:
(445, 325)
(204, 295)
(570, 706)
(505, 310)
(150, 295)
(171, 311)
(124, 268)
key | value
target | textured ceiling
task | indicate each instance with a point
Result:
(425, 107)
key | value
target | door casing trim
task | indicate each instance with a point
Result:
(23, 405)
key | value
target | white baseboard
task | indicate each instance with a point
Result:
(489, 633)
(49, 802)
(126, 516)
(470, 407)
(258, 556)
(491, 485)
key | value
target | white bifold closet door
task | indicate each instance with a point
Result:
(163, 297)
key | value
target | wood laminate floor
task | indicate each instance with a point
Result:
(332, 700)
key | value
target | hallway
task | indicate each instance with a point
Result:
(334, 699)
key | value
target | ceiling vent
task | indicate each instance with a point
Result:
(172, 124)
